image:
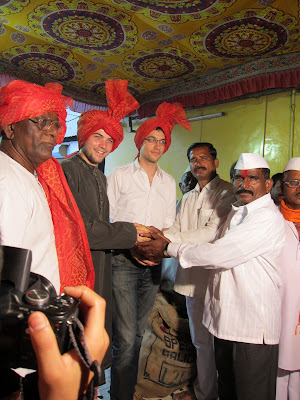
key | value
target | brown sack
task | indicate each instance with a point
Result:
(167, 356)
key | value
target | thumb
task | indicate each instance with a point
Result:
(44, 343)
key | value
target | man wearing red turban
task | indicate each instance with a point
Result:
(139, 192)
(99, 133)
(37, 209)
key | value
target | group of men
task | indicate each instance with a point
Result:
(231, 240)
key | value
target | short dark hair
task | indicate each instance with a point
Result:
(266, 173)
(277, 177)
(232, 168)
(196, 145)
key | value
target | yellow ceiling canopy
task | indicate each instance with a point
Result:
(167, 50)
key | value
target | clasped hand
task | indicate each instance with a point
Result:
(151, 251)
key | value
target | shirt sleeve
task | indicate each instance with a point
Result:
(258, 234)
(206, 233)
(102, 235)
(113, 192)
(171, 206)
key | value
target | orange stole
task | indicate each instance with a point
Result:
(73, 251)
(289, 214)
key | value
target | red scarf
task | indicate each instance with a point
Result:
(73, 251)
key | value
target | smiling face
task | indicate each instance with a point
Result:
(32, 145)
(250, 185)
(291, 194)
(97, 147)
(203, 165)
(151, 152)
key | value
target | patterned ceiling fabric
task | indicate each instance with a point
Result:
(195, 52)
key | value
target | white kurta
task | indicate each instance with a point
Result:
(25, 218)
(242, 301)
(289, 345)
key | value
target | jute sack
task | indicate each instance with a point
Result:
(167, 356)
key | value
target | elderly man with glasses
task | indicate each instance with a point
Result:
(37, 209)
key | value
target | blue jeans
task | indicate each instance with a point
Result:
(134, 289)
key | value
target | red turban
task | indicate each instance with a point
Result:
(21, 100)
(167, 116)
(120, 103)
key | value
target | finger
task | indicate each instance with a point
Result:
(140, 261)
(142, 238)
(144, 245)
(153, 229)
(143, 233)
(94, 308)
(44, 343)
(92, 302)
(150, 263)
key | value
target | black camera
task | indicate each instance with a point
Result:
(21, 293)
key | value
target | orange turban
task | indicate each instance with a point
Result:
(21, 100)
(167, 116)
(120, 103)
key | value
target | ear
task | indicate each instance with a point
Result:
(9, 131)
(216, 161)
(269, 184)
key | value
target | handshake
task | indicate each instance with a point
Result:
(150, 246)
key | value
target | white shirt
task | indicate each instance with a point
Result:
(201, 214)
(289, 344)
(25, 218)
(242, 301)
(133, 199)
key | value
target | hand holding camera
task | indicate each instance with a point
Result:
(28, 304)
(63, 376)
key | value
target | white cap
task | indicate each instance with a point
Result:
(293, 164)
(251, 161)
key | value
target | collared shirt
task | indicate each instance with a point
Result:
(25, 218)
(201, 214)
(242, 301)
(133, 199)
(289, 344)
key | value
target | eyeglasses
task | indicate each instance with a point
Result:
(153, 140)
(44, 124)
(292, 184)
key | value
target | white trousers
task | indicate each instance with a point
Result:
(205, 385)
(288, 385)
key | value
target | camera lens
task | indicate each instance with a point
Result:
(37, 297)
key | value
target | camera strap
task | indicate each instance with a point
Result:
(79, 344)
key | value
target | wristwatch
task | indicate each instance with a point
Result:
(166, 255)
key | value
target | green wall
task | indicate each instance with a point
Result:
(268, 125)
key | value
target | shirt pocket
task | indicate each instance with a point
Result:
(205, 216)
